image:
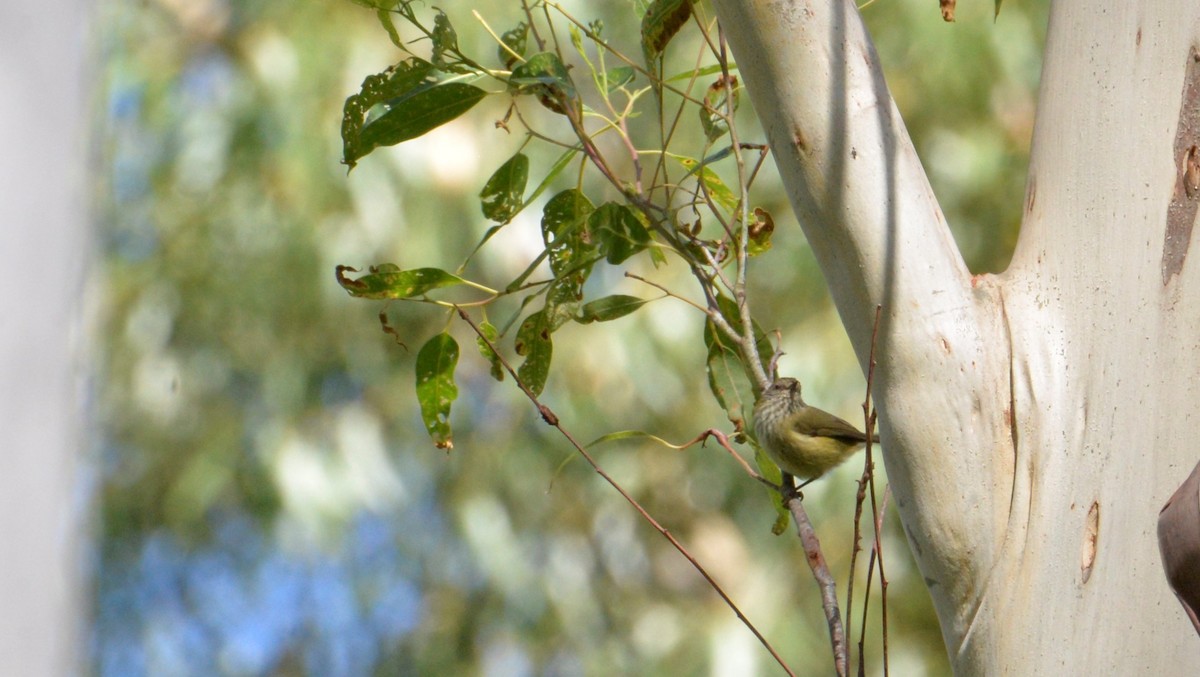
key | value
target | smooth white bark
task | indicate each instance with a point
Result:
(42, 244)
(1025, 413)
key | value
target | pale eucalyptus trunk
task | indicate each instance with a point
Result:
(1034, 422)
(43, 243)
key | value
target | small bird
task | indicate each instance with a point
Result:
(803, 441)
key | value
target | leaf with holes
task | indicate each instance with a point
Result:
(513, 41)
(534, 343)
(412, 103)
(387, 281)
(408, 76)
(545, 76)
(564, 230)
(436, 389)
(563, 298)
(501, 195)
(618, 231)
(445, 39)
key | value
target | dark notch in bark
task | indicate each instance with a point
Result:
(1181, 215)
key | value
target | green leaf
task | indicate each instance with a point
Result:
(489, 330)
(571, 252)
(721, 195)
(559, 165)
(577, 42)
(771, 472)
(555, 170)
(563, 298)
(445, 39)
(726, 375)
(515, 40)
(543, 69)
(618, 77)
(662, 21)
(387, 281)
(564, 230)
(630, 435)
(716, 106)
(701, 72)
(408, 76)
(657, 257)
(385, 20)
(533, 342)
(412, 102)
(729, 311)
(609, 308)
(436, 389)
(414, 115)
(618, 231)
(545, 76)
(501, 195)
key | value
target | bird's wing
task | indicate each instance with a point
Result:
(820, 423)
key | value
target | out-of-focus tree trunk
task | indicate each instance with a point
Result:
(43, 252)
(1034, 422)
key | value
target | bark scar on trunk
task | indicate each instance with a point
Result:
(1181, 214)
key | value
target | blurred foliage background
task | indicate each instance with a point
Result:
(270, 503)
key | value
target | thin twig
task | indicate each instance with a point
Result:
(860, 498)
(723, 440)
(748, 341)
(551, 418)
(876, 558)
(820, 569)
(862, 631)
(883, 582)
(666, 291)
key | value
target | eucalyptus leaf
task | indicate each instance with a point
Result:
(535, 344)
(436, 389)
(563, 298)
(564, 230)
(660, 23)
(501, 195)
(618, 231)
(609, 308)
(406, 77)
(489, 331)
(385, 20)
(514, 39)
(714, 186)
(413, 114)
(445, 39)
(545, 76)
(543, 69)
(717, 101)
(618, 77)
(387, 281)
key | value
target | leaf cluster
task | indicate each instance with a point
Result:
(669, 199)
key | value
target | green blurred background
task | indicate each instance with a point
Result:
(270, 503)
